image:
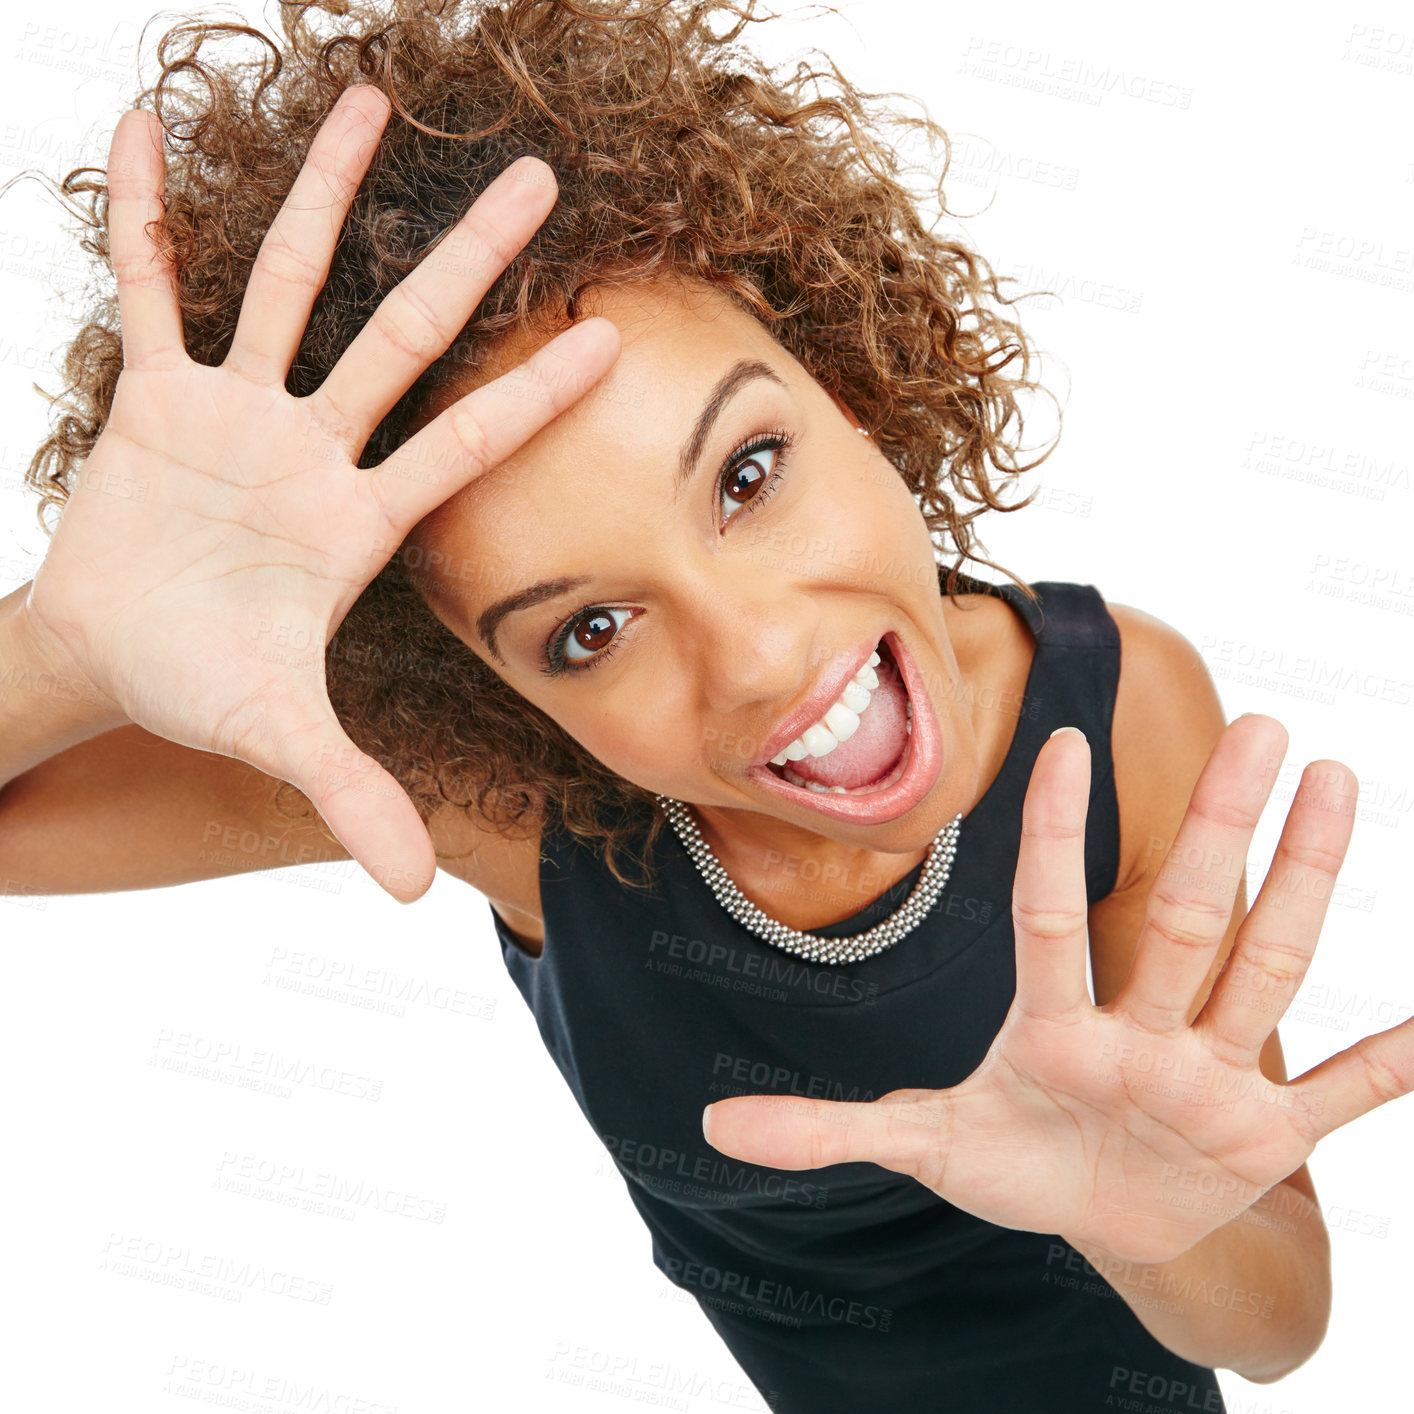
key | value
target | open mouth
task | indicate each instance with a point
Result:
(909, 768)
(892, 770)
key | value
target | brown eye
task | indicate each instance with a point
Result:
(745, 477)
(592, 633)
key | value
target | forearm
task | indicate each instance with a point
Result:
(45, 705)
(1254, 1296)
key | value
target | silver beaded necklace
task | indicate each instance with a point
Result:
(812, 948)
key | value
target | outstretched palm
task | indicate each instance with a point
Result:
(1122, 1125)
(221, 529)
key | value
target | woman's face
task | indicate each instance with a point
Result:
(686, 567)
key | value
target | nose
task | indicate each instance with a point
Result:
(753, 635)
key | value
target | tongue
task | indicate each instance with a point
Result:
(876, 744)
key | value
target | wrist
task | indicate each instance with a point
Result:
(1095, 1253)
(47, 702)
(1111, 1263)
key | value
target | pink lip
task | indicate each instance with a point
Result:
(813, 708)
(922, 759)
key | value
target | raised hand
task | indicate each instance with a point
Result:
(221, 529)
(1099, 1123)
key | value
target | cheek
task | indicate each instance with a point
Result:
(659, 744)
(858, 511)
(634, 737)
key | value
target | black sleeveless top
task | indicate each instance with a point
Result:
(851, 1287)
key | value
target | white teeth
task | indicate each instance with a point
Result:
(855, 696)
(840, 722)
(837, 725)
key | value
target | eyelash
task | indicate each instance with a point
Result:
(782, 441)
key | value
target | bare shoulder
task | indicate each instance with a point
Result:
(503, 867)
(1167, 719)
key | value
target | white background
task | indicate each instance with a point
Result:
(1236, 352)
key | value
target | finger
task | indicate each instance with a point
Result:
(1049, 908)
(1278, 938)
(1375, 1070)
(148, 309)
(487, 425)
(1190, 905)
(906, 1130)
(364, 806)
(425, 311)
(294, 257)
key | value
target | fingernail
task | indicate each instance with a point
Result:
(1076, 730)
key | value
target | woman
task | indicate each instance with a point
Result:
(369, 432)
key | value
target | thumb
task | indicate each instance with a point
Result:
(363, 805)
(895, 1131)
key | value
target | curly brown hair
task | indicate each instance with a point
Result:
(677, 152)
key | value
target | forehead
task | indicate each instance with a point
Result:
(603, 467)
(660, 319)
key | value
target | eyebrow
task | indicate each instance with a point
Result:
(741, 373)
